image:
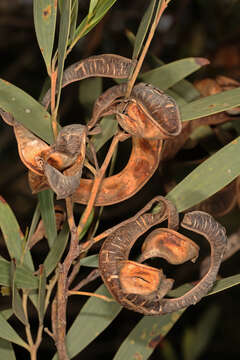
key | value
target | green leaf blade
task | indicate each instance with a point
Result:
(208, 177)
(16, 298)
(12, 235)
(8, 333)
(64, 31)
(56, 250)
(25, 279)
(142, 29)
(41, 293)
(210, 105)
(26, 110)
(45, 13)
(6, 350)
(170, 74)
(146, 335)
(46, 204)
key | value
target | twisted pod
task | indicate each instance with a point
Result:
(141, 288)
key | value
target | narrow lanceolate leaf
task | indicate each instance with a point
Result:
(41, 293)
(56, 251)
(35, 220)
(12, 235)
(92, 6)
(208, 178)
(210, 105)
(89, 22)
(142, 29)
(168, 75)
(6, 350)
(8, 333)
(48, 214)
(26, 110)
(74, 15)
(16, 298)
(64, 30)
(7, 313)
(45, 12)
(24, 279)
(220, 285)
(94, 317)
(90, 261)
(146, 335)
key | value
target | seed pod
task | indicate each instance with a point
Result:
(32, 150)
(69, 151)
(142, 163)
(105, 65)
(125, 279)
(150, 113)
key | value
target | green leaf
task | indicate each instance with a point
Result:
(168, 75)
(74, 15)
(16, 298)
(46, 204)
(145, 336)
(90, 261)
(25, 279)
(225, 284)
(92, 6)
(7, 313)
(12, 235)
(64, 31)
(8, 333)
(56, 251)
(142, 29)
(87, 225)
(88, 23)
(219, 286)
(6, 350)
(26, 110)
(45, 12)
(41, 293)
(210, 105)
(108, 127)
(94, 317)
(208, 177)
(34, 223)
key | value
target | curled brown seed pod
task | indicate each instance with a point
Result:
(116, 270)
(142, 163)
(32, 150)
(105, 65)
(150, 113)
(70, 148)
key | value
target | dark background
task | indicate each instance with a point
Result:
(188, 28)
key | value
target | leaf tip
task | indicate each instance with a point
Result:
(202, 61)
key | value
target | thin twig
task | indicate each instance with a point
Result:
(94, 274)
(62, 291)
(85, 293)
(131, 82)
